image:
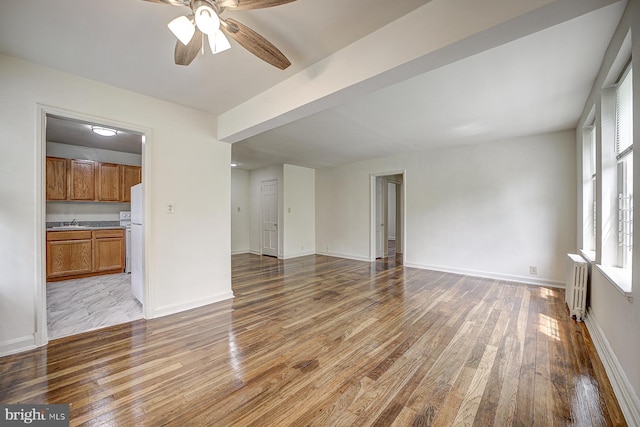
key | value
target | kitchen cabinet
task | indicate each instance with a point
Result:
(108, 182)
(82, 253)
(90, 181)
(56, 170)
(109, 251)
(81, 180)
(131, 175)
(69, 253)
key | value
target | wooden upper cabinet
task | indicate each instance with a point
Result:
(56, 178)
(108, 180)
(131, 175)
(81, 180)
(87, 180)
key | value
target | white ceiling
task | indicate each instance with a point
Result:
(531, 84)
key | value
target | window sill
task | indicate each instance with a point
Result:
(588, 255)
(620, 278)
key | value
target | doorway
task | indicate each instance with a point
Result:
(96, 301)
(269, 226)
(387, 214)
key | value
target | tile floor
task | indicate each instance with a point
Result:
(81, 305)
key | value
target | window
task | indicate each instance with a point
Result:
(624, 157)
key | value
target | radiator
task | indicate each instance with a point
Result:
(576, 290)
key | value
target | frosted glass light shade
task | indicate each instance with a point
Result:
(218, 42)
(183, 29)
(104, 131)
(207, 20)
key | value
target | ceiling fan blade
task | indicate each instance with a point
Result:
(171, 2)
(254, 43)
(184, 55)
(251, 4)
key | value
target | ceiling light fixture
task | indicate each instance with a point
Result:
(104, 131)
(182, 27)
(233, 165)
(205, 20)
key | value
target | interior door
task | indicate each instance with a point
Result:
(270, 218)
(380, 232)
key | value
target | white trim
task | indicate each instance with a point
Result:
(18, 345)
(590, 256)
(490, 275)
(177, 308)
(240, 251)
(372, 212)
(41, 333)
(298, 255)
(620, 278)
(628, 400)
(346, 256)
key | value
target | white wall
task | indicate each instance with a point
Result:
(184, 165)
(84, 211)
(256, 178)
(299, 211)
(614, 320)
(67, 151)
(240, 211)
(491, 209)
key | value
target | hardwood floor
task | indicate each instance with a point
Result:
(332, 342)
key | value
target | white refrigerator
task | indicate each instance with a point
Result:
(137, 270)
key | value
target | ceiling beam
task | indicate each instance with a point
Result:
(434, 35)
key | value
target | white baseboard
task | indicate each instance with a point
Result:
(177, 308)
(346, 256)
(498, 276)
(298, 255)
(240, 251)
(627, 398)
(17, 345)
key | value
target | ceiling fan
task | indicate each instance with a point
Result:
(205, 20)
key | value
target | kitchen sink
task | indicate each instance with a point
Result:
(70, 227)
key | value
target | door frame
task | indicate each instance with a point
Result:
(41, 336)
(401, 218)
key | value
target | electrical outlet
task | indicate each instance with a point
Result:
(171, 208)
(533, 270)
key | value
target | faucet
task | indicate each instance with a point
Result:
(74, 222)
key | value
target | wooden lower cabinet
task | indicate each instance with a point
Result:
(72, 254)
(108, 250)
(69, 253)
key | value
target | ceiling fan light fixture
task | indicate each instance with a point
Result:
(183, 29)
(207, 20)
(218, 42)
(104, 131)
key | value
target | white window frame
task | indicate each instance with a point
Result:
(624, 159)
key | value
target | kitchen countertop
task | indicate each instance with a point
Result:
(83, 225)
